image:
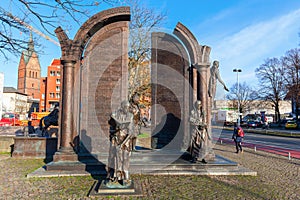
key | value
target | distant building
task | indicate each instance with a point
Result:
(51, 86)
(256, 107)
(29, 72)
(14, 101)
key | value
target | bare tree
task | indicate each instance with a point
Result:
(143, 22)
(271, 83)
(291, 63)
(19, 17)
(244, 95)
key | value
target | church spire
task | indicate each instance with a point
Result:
(28, 53)
(30, 44)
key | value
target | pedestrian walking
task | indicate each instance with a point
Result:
(238, 136)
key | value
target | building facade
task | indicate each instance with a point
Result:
(255, 107)
(50, 90)
(29, 72)
(14, 102)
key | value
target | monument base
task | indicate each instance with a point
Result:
(100, 188)
(34, 147)
(116, 188)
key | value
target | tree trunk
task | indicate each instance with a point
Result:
(277, 113)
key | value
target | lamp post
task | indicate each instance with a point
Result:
(238, 93)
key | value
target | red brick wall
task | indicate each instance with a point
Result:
(170, 91)
(104, 83)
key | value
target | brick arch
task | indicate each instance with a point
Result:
(189, 40)
(73, 49)
(71, 59)
(200, 63)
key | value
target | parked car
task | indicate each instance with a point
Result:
(10, 119)
(253, 124)
(291, 124)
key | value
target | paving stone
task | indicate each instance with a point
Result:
(277, 178)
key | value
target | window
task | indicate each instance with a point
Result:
(43, 96)
(58, 81)
(57, 88)
(32, 85)
(58, 73)
(52, 73)
(51, 95)
(58, 95)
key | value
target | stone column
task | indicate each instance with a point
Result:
(65, 152)
(195, 85)
(202, 84)
(203, 69)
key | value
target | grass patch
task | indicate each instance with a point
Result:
(143, 135)
(4, 153)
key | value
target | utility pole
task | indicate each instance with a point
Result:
(238, 94)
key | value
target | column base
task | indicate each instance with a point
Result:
(65, 155)
(65, 160)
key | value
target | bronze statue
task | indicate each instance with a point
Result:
(199, 133)
(136, 111)
(49, 120)
(121, 128)
(214, 76)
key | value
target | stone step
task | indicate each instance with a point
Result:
(145, 163)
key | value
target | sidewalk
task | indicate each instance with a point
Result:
(277, 178)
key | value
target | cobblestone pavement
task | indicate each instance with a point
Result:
(278, 178)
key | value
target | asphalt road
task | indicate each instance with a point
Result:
(276, 141)
(274, 144)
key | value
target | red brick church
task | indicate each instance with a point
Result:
(29, 72)
(44, 92)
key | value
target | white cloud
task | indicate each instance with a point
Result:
(249, 47)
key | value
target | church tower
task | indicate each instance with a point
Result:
(29, 72)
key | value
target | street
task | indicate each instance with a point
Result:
(286, 146)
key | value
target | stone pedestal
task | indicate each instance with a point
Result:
(104, 189)
(34, 147)
(65, 155)
(65, 159)
(100, 189)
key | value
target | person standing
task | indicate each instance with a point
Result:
(237, 136)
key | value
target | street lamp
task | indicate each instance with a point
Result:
(238, 92)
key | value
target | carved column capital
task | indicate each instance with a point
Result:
(68, 63)
(201, 66)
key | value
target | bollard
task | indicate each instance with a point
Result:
(255, 148)
(289, 155)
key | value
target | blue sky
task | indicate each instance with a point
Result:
(242, 34)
